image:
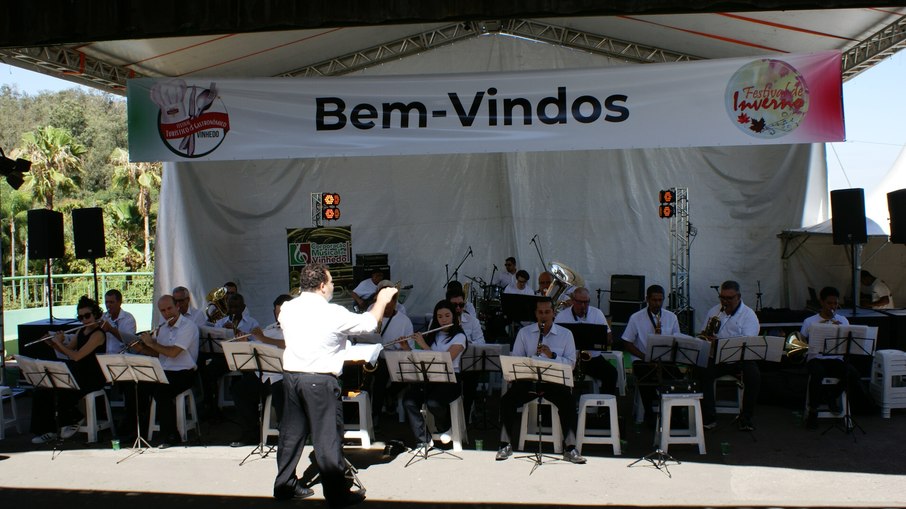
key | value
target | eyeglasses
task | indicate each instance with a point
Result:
(181, 300)
(86, 315)
(577, 301)
(459, 304)
(729, 297)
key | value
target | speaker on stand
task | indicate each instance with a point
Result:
(896, 204)
(848, 222)
(45, 242)
(88, 236)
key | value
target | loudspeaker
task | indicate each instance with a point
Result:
(896, 204)
(88, 233)
(848, 216)
(45, 234)
(627, 287)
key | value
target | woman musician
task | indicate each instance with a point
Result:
(437, 396)
(81, 354)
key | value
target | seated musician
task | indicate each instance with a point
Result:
(545, 279)
(733, 319)
(81, 352)
(176, 345)
(595, 366)
(653, 319)
(394, 325)
(508, 275)
(874, 293)
(117, 323)
(520, 286)
(436, 396)
(250, 390)
(455, 285)
(547, 341)
(823, 366)
(240, 322)
(364, 292)
(474, 336)
(184, 303)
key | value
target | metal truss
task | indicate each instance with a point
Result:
(875, 48)
(71, 65)
(680, 241)
(593, 43)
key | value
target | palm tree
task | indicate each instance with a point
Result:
(145, 176)
(55, 158)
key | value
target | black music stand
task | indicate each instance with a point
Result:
(422, 367)
(672, 350)
(133, 368)
(53, 375)
(260, 358)
(849, 340)
(518, 308)
(481, 358)
(588, 337)
(537, 371)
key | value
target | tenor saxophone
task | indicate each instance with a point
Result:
(711, 329)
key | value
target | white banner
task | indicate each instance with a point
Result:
(747, 101)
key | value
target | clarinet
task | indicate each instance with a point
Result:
(540, 338)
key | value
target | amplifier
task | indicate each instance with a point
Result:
(371, 259)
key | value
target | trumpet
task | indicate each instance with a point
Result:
(407, 338)
(50, 336)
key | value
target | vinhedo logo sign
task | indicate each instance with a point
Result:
(486, 108)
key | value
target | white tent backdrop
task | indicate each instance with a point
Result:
(876, 199)
(595, 211)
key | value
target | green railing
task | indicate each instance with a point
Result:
(26, 292)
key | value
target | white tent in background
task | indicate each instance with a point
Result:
(876, 200)
(811, 260)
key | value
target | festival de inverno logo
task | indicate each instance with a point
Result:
(767, 98)
(193, 120)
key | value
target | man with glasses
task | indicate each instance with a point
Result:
(183, 302)
(520, 287)
(474, 336)
(596, 366)
(735, 319)
(508, 276)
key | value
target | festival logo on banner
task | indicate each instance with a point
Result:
(193, 120)
(767, 98)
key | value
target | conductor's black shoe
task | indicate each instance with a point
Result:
(299, 492)
(347, 499)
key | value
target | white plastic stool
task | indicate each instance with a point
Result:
(824, 411)
(458, 420)
(598, 436)
(268, 427)
(888, 380)
(223, 388)
(694, 434)
(364, 428)
(728, 406)
(92, 423)
(7, 393)
(186, 416)
(529, 429)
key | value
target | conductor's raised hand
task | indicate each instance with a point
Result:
(385, 295)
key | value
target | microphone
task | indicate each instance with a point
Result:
(470, 251)
(495, 266)
(533, 239)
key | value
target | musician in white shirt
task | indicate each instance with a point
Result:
(364, 292)
(184, 302)
(315, 332)
(520, 286)
(508, 276)
(596, 366)
(117, 323)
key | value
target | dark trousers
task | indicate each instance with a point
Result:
(649, 378)
(248, 393)
(819, 369)
(602, 370)
(521, 393)
(751, 379)
(164, 396)
(312, 404)
(212, 366)
(437, 397)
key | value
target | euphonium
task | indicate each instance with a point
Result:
(564, 279)
(217, 304)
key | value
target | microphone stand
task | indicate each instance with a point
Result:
(537, 245)
(456, 270)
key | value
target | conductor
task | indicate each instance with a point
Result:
(315, 334)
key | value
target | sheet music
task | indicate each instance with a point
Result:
(420, 366)
(689, 350)
(131, 368)
(751, 348)
(366, 352)
(528, 369)
(209, 338)
(828, 339)
(47, 374)
(240, 355)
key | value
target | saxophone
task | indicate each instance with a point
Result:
(711, 329)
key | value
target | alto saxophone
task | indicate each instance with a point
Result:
(711, 329)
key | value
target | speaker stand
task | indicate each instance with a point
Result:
(47, 269)
(94, 266)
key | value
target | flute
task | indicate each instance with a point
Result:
(407, 338)
(269, 327)
(50, 336)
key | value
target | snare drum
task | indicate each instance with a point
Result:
(493, 293)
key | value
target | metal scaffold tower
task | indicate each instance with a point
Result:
(681, 234)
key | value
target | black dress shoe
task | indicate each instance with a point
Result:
(299, 492)
(349, 498)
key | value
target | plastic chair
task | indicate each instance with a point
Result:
(92, 423)
(598, 436)
(186, 416)
(694, 434)
(529, 430)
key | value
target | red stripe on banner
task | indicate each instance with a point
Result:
(260, 52)
(202, 43)
(782, 26)
(709, 36)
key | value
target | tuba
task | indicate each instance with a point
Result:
(564, 279)
(217, 304)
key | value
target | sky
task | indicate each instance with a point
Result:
(874, 107)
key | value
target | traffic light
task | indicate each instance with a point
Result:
(330, 209)
(667, 207)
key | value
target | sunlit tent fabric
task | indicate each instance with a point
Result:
(595, 211)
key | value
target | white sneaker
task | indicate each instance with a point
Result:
(68, 431)
(445, 437)
(43, 439)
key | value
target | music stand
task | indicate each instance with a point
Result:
(519, 308)
(537, 371)
(481, 358)
(847, 341)
(133, 368)
(44, 374)
(749, 348)
(670, 349)
(422, 367)
(212, 337)
(260, 358)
